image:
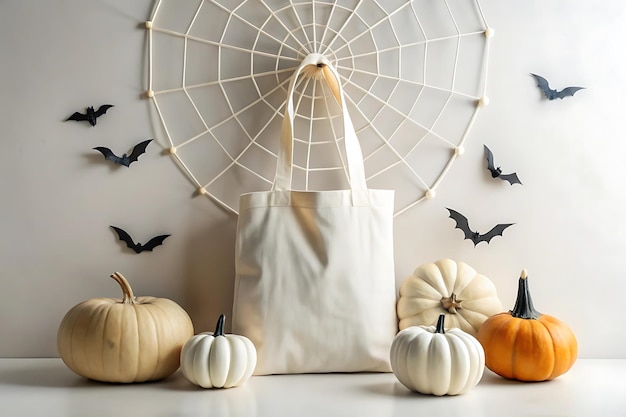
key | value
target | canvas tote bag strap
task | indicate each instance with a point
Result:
(354, 156)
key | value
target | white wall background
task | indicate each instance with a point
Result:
(56, 248)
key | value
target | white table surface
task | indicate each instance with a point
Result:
(45, 387)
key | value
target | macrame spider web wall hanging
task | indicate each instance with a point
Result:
(414, 73)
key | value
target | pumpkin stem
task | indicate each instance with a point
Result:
(524, 308)
(440, 320)
(219, 328)
(129, 297)
(451, 303)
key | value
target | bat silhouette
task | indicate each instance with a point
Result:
(138, 247)
(91, 115)
(496, 172)
(462, 223)
(125, 160)
(551, 94)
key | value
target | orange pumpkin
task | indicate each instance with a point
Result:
(526, 345)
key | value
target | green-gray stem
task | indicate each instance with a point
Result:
(524, 308)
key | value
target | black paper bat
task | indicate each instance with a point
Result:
(125, 160)
(496, 172)
(91, 114)
(462, 223)
(550, 94)
(138, 247)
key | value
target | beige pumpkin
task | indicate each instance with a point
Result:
(448, 287)
(133, 339)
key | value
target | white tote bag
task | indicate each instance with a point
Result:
(315, 286)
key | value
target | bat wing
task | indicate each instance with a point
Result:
(138, 150)
(569, 91)
(511, 178)
(125, 237)
(496, 231)
(79, 117)
(490, 166)
(462, 223)
(544, 86)
(154, 242)
(102, 110)
(109, 155)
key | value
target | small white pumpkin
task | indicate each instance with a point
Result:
(431, 360)
(218, 360)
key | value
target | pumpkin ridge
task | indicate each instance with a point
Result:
(110, 347)
(488, 338)
(478, 350)
(231, 377)
(434, 269)
(169, 330)
(90, 321)
(465, 275)
(556, 371)
(513, 347)
(436, 345)
(66, 349)
(74, 349)
(147, 342)
(479, 286)
(419, 288)
(101, 335)
(449, 273)
(430, 284)
(159, 335)
(156, 351)
(77, 353)
(235, 374)
(458, 347)
(461, 317)
(137, 341)
(555, 356)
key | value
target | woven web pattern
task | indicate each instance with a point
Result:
(414, 73)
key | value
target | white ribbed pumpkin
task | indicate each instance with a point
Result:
(218, 360)
(431, 360)
(455, 289)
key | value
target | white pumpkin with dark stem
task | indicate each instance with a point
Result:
(133, 339)
(218, 360)
(431, 360)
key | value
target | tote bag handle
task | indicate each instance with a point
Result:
(354, 156)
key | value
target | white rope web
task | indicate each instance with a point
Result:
(414, 73)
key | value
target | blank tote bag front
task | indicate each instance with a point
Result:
(315, 286)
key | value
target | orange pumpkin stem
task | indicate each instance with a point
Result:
(129, 297)
(524, 308)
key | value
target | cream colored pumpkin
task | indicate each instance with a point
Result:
(455, 289)
(133, 339)
(218, 360)
(431, 360)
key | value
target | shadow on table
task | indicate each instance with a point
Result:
(58, 376)
(396, 389)
(53, 376)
